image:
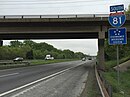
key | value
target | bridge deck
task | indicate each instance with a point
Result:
(55, 26)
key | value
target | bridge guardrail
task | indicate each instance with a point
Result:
(54, 16)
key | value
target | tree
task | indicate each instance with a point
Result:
(110, 51)
(32, 50)
(29, 54)
(29, 43)
(128, 10)
(60, 56)
(16, 43)
(79, 55)
(68, 54)
(38, 54)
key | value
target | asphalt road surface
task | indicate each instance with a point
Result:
(64, 79)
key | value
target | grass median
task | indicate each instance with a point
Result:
(33, 63)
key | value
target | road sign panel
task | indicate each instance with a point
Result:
(117, 21)
(116, 8)
(117, 36)
(117, 13)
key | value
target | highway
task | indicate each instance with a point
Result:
(64, 79)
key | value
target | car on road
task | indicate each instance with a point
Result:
(89, 58)
(49, 57)
(18, 59)
(83, 59)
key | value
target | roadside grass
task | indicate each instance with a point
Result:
(34, 63)
(42, 62)
(123, 89)
(8, 66)
(110, 64)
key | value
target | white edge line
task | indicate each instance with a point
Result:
(26, 90)
(34, 82)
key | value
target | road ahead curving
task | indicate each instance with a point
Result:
(64, 79)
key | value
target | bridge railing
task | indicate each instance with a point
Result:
(53, 16)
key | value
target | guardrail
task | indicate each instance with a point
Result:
(7, 63)
(54, 16)
(106, 89)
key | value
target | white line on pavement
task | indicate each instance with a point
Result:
(28, 89)
(8, 75)
(34, 82)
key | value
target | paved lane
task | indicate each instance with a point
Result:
(67, 84)
(13, 78)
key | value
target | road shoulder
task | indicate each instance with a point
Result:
(91, 87)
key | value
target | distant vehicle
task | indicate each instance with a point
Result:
(48, 57)
(83, 59)
(18, 59)
(89, 58)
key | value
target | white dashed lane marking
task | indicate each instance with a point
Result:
(6, 75)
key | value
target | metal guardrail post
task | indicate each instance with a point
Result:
(76, 16)
(110, 90)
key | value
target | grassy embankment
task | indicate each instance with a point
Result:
(33, 63)
(123, 89)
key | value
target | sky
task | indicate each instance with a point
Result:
(57, 7)
(43, 7)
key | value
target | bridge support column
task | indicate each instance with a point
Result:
(101, 57)
(1, 43)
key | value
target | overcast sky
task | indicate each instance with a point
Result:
(43, 7)
(50, 7)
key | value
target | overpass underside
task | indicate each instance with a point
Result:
(50, 30)
(59, 28)
(70, 35)
(64, 28)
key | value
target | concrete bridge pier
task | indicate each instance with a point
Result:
(101, 57)
(1, 42)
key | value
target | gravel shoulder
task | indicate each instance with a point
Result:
(91, 87)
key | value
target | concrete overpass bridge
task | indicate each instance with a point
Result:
(91, 26)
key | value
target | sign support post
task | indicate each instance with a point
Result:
(117, 36)
(118, 72)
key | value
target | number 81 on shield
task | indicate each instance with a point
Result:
(117, 21)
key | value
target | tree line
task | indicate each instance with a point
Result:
(111, 51)
(29, 49)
